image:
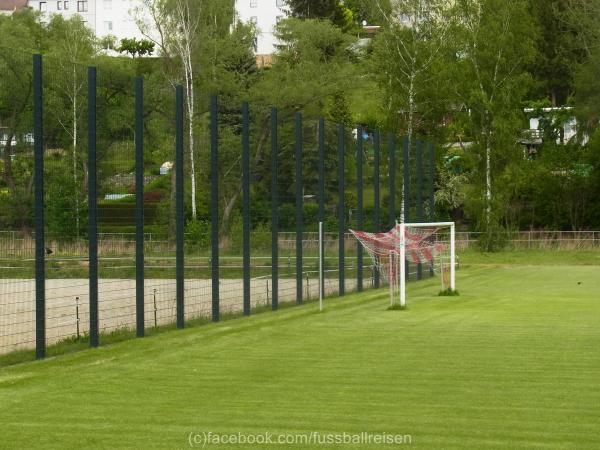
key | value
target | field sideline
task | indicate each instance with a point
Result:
(514, 362)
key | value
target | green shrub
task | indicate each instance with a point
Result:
(397, 307)
(449, 293)
(493, 239)
(197, 234)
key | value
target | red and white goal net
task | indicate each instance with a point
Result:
(428, 244)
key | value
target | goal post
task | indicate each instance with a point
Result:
(402, 252)
(419, 243)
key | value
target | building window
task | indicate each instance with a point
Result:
(66, 5)
(59, 5)
(280, 3)
(43, 6)
(82, 6)
(253, 3)
(108, 26)
(254, 20)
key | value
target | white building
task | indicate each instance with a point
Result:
(105, 17)
(265, 14)
(117, 17)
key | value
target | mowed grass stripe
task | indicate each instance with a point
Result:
(511, 363)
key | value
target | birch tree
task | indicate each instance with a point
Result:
(71, 46)
(173, 27)
(415, 33)
(496, 44)
(406, 55)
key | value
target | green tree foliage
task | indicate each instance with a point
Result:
(136, 47)
(314, 73)
(408, 62)
(496, 45)
(456, 72)
(334, 10)
(22, 34)
(558, 51)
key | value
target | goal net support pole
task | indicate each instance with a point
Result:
(402, 266)
(321, 268)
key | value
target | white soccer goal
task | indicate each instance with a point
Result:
(430, 246)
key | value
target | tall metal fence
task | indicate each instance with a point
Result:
(99, 177)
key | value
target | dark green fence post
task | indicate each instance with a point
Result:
(246, 203)
(341, 209)
(406, 188)
(274, 214)
(376, 183)
(299, 206)
(419, 199)
(322, 189)
(139, 205)
(392, 175)
(92, 208)
(179, 255)
(40, 243)
(359, 206)
(431, 181)
(214, 205)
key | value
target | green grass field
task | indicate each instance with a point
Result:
(512, 363)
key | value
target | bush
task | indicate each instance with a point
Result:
(236, 230)
(397, 307)
(493, 239)
(154, 196)
(287, 217)
(310, 214)
(162, 183)
(449, 293)
(260, 238)
(197, 234)
(62, 208)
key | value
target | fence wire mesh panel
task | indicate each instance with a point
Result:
(65, 205)
(116, 200)
(17, 238)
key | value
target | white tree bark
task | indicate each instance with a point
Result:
(488, 178)
(184, 45)
(176, 29)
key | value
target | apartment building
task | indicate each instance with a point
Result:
(265, 14)
(105, 17)
(117, 17)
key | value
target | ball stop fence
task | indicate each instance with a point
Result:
(97, 236)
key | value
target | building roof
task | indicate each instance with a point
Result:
(12, 5)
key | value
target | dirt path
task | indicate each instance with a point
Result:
(67, 299)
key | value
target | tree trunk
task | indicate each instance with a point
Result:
(488, 177)
(230, 203)
(409, 132)
(189, 87)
